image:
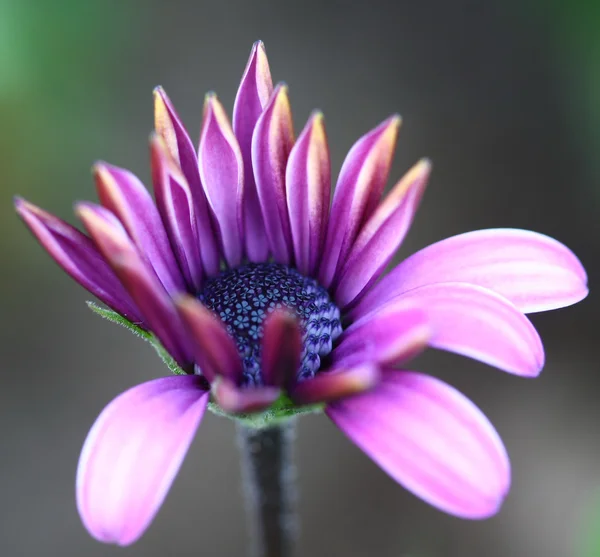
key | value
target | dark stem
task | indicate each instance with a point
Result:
(269, 478)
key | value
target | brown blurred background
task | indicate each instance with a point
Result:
(503, 96)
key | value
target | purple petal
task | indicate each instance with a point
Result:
(480, 324)
(431, 439)
(272, 142)
(308, 179)
(335, 384)
(180, 146)
(138, 278)
(359, 187)
(176, 206)
(533, 271)
(214, 350)
(281, 347)
(222, 173)
(78, 256)
(133, 453)
(125, 196)
(382, 235)
(252, 97)
(242, 400)
(391, 336)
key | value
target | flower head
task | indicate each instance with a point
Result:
(266, 299)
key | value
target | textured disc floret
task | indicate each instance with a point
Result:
(243, 297)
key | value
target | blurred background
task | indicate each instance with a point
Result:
(503, 96)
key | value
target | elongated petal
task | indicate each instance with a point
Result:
(478, 323)
(272, 142)
(281, 347)
(252, 97)
(123, 194)
(133, 453)
(80, 259)
(138, 278)
(431, 439)
(360, 185)
(214, 350)
(222, 174)
(180, 146)
(336, 384)
(392, 336)
(176, 206)
(382, 235)
(535, 272)
(308, 182)
(242, 400)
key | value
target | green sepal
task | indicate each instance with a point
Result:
(138, 331)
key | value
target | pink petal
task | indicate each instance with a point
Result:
(222, 173)
(78, 256)
(170, 128)
(281, 347)
(359, 187)
(533, 271)
(431, 439)
(308, 182)
(242, 400)
(271, 144)
(124, 195)
(252, 97)
(133, 453)
(176, 205)
(480, 324)
(382, 235)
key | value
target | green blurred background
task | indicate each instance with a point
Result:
(503, 96)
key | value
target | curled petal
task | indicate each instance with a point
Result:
(308, 182)
(214, 350)
(360, 185)
(123, 194)
(176, 206)
(478, 323)
(336, 384)
(242, 400)
(252, 97)
(382, 235)
(170, 129)
(78, 256)
(222, 174)
(138, 278)
(431, 439)
(271, 145)
(281, 347)
(133, 453)
(394, 335)
(533, 271)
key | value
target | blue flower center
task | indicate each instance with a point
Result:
(244, 296)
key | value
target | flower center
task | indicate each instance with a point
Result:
(243, 297)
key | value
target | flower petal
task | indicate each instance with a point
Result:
(281, 347)
(214, 350)
(308, 183)
(391, 336)
(180, 146)
(359, 187)
(382, 235)
(252, 97)
(222, 174)
(138, 278)
(242, 400)
(125, 196)
(176, 206)
(533, 271)
(431, 439)
(79, 258)
(271, 145)
(337, 383)
(133, 453)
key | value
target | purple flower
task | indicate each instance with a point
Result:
(267, 303)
